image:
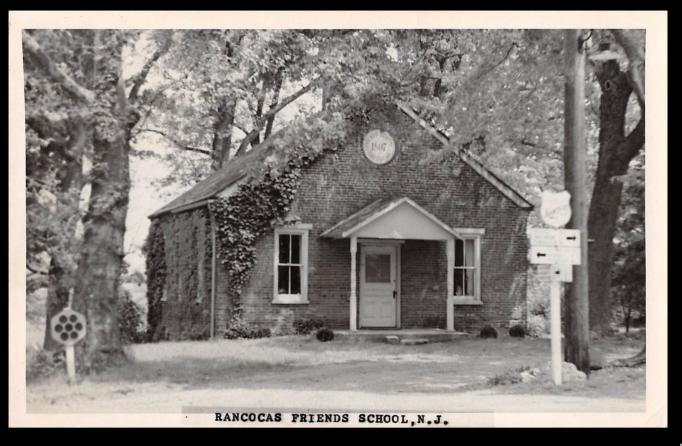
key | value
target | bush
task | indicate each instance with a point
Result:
(130, 322)
(43, 364)
(488, 332)
(517, 331)
(246, 332)
(325, 334)
(509, 377)
(307, 326)
(238, 329)
(537, 326)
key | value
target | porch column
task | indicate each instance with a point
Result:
(353, 281)
(450, 311)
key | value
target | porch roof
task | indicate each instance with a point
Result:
(392, 218)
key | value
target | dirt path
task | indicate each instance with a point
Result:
(297, 373)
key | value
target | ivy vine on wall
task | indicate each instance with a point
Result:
(156, 275)
(256, 207)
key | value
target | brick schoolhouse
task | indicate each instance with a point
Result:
(385, 239)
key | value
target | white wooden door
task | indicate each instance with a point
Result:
(378, 287)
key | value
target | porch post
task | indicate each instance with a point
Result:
(450, 311)
(353, 281)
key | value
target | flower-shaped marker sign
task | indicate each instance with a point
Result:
(378, 147)
(67, 327)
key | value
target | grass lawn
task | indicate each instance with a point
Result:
(345, 374)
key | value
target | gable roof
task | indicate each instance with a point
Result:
(218, 181)
(375, 210)
(244, 165)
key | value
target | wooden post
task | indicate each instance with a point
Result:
(555, 314)
(70, 364)
(353, 284)
(450, 310)
(577, 308)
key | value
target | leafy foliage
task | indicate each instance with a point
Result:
(325, 334)
(307, 326)
(238, 329)
(130, 322)
(629, 266)
(488, 332)
(517, 331)
(156, 276)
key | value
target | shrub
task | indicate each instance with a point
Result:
(517, 331)
(307, 326)
(238, 329)
(488, 332)
(537, 326)
(325, 334)
(43, 364)
(130, 320)
(509, 377)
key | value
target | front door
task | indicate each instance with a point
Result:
(378, 288)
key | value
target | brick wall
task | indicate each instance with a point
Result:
(340, 184)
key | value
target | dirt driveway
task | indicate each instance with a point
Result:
(302, 373)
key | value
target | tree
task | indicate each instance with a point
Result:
(57, 141)
(100, 104)
(617, 148)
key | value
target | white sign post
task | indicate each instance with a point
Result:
(561, 249)
(68, 328)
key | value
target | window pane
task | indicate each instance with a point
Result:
(284, 248)
(295, 249)
(459, 282)
(469, 282)
(459, 253)
(295, 279)
(378, 268)
(470, 253)
(283, 279)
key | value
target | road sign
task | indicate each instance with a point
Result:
(555, 208)
(554, 237)
(68, 327)
(562, 273)
(550, 255)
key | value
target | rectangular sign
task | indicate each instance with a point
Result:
(562, 273)
(554, 237)
(549, 255)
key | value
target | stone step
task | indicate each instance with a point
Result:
(414, 341)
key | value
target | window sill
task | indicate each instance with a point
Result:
(458, 300)
(290, 300)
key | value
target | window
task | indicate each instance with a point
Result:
(467, 274)
(291, 265)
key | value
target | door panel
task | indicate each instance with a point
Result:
(378, 286)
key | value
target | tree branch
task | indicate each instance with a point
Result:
(43, 61)
(176, 142)
(35, 270)
(635, 140)
(635, 63)
(272, 112)
(141, 77)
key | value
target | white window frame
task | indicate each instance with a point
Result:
(302, 298)
(474, 234)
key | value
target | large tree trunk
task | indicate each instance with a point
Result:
(99, 269)
(222, 134)
(100, 265)
(615, 153)
(576, 300)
